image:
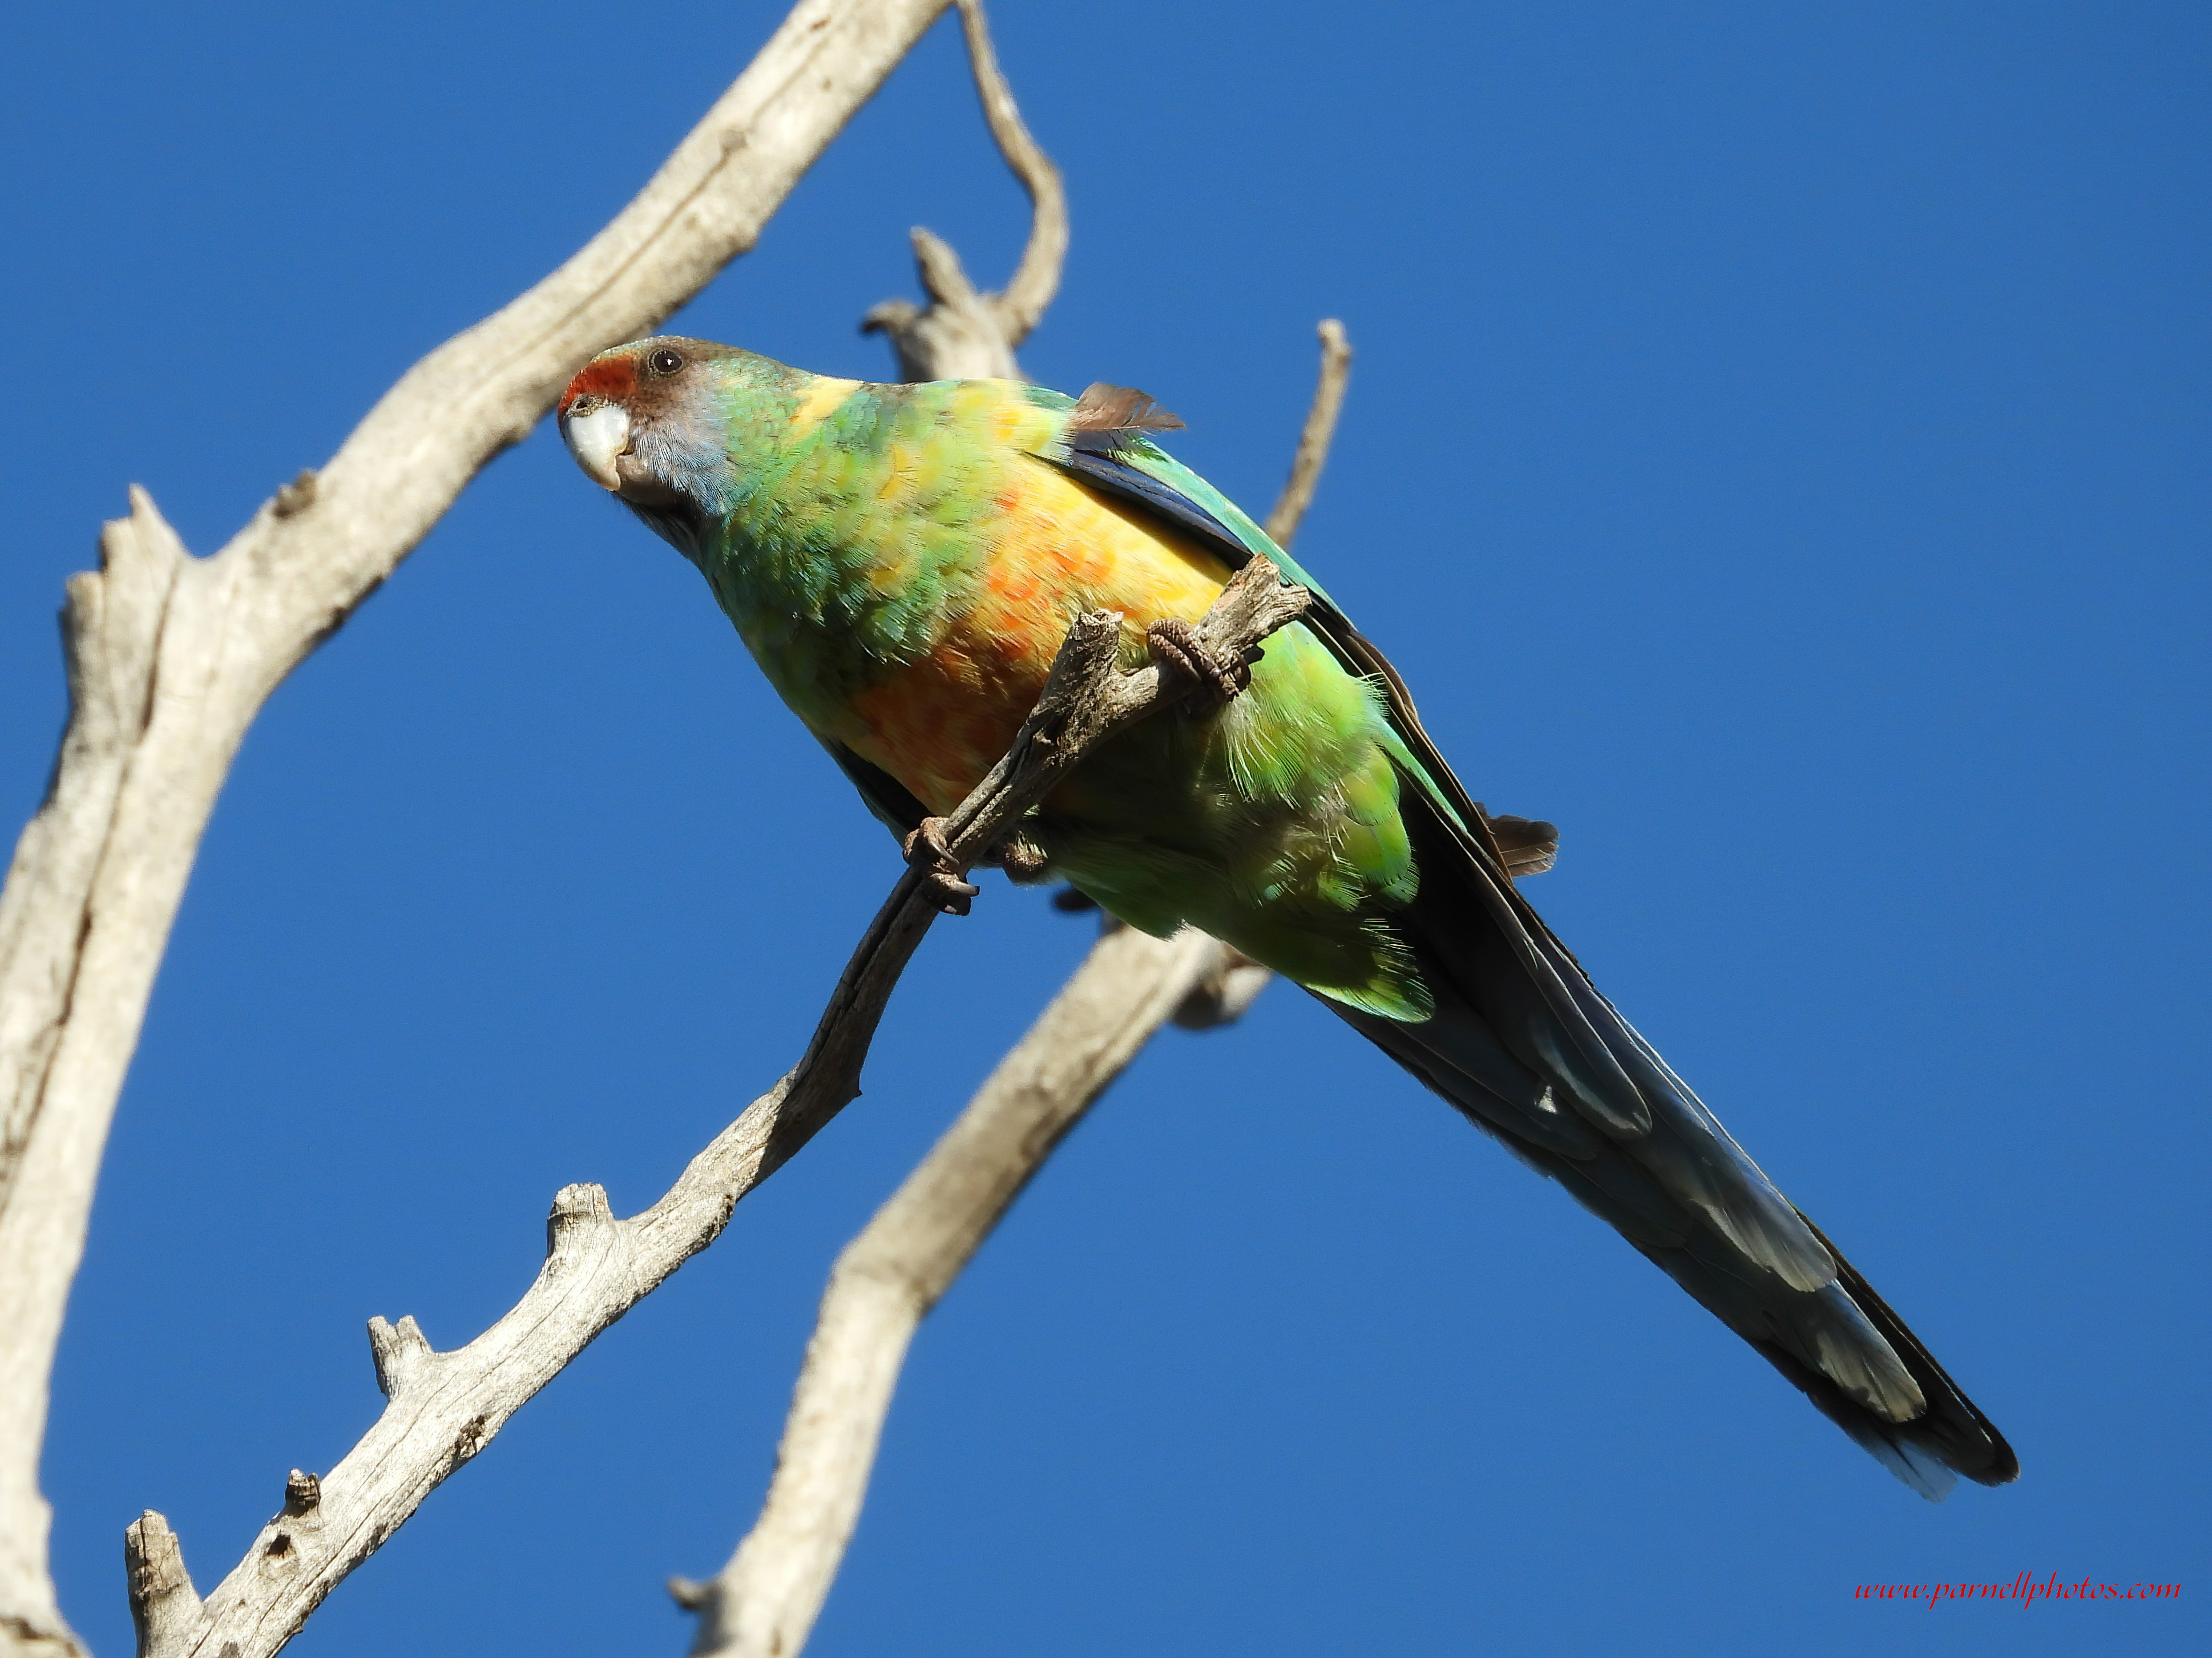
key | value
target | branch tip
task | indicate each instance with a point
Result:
(162, 1598)
(943, 277)
(1316, 436)
(583, 1201)
(399, 1351)
(576, 1209)
(1225, 994)
(957, 335)
(139, 546)
(689, 1593)
(1037, 279)
(294, 498)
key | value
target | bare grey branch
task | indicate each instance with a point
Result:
(163, 1604)
(963, 334)
(1316, 435)
(1037, 279)
(765, 1600)
(958, 337)
(1225, 994)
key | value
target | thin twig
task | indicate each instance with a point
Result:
(765, 1600)
(1314, 440)
(1022, 305)
(444, 1408)
(964, 334)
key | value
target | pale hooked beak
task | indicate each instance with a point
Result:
(597, 439)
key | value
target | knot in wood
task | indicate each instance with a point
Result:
(298, 496)
(475, 1435)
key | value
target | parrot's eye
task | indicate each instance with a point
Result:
(664, 362)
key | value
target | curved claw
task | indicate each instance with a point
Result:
(926, 851)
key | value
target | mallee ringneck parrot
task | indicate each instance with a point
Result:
(903, 561)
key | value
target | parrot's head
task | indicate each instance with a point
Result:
(649, 421)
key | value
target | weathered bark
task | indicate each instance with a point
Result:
(764, 1602)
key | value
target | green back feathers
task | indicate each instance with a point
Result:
(867, 518)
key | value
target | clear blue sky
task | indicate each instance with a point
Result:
(1813, 402)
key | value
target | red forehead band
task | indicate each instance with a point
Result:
(612, 378)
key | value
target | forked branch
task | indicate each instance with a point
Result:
(963, 334)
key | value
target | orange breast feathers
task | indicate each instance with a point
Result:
(1059, 548)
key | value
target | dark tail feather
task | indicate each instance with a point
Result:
(1511, 1046)
(1954, 1432)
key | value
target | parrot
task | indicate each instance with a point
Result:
(903, 561)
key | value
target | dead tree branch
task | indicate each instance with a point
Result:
(963, 334)
(444, 1408)
(1021, 306)
(1319, 430)
(766, 1600)
(171, 657)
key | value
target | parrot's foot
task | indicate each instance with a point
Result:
(1176, 642)
(940, 878)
